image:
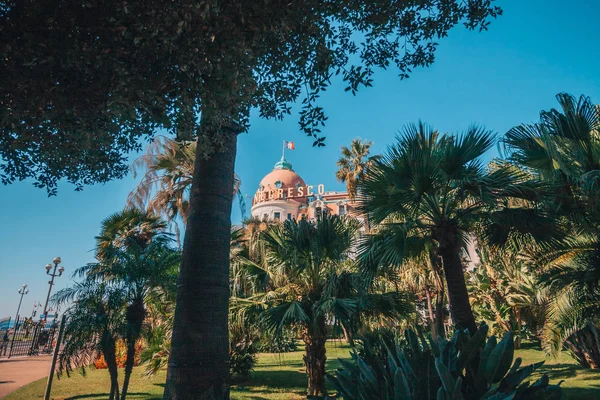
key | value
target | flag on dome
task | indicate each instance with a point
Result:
(289, 145)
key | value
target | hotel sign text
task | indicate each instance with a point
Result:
(288, 193)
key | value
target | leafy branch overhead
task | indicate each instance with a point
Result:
(81, 84)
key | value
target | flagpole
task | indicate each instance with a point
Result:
(283, 149)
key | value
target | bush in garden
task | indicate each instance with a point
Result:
(242, 352)
(121, 355)
(282, 343)
(462, 368)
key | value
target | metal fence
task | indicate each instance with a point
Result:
(26, 338)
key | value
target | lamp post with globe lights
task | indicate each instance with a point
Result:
(22, 291)
(56, 261)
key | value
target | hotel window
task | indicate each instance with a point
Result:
(289, 216)
(278, 184)
(265, 216)
(342, 210)
(277, 216)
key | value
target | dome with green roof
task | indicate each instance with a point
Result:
(283, 164)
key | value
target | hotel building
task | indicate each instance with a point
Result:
(283, 194)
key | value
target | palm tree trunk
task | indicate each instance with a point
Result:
(585, 346)
(458, 296)
(347, 336)
(128, 365)
(136, 313)
(108, 350)
(439, 313)
(199, 362)
(315, 358)
(432, 324)
(519, 328)
(436, 265)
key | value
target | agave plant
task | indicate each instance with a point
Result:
(437, 369)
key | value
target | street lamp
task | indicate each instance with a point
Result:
(22, 291)
(56, 261)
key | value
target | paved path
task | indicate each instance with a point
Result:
(19, 371)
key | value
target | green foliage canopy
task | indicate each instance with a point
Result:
(82, 82)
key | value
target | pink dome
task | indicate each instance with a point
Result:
(282, 177)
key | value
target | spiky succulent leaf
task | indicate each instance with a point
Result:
(500, 359)
(471, 348)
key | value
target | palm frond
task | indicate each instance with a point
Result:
(287, 313)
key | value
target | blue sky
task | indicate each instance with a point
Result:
(498, 78)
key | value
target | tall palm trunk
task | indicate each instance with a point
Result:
(458, 296)
(108, 350)
(199, 362)
(436, 266)
(432, 323)
(347, 336)
(439, 312)
(585, 346)
(135, 316)
(128, 364)
(519, 328)
(315, 357)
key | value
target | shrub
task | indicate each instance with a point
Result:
(242, 352)
(121, 355)
(284, 342)
(465, 367)
(242, 357)
(157, 350)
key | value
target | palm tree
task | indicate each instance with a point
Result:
(164, 189)
(563, 151)
(433, 188)
(95, 320)
(353, 164)
(248, 258)
(137, 271)
(160, 310)
(315, 288)
(134, 254)
(129, 228)
(135, 258)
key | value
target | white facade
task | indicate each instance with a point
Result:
(276, 209)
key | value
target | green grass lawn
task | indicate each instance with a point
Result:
(281, 376)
